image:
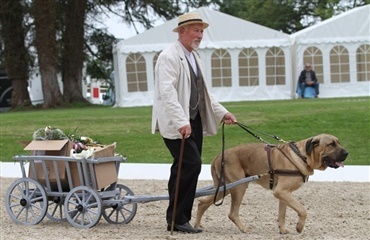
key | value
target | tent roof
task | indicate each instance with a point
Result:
(224, 31)
(350, 26)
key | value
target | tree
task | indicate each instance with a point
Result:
(61, 35)
(15, 52)
(99, 64)
(73, 50)
(278, 15)
(328, 8)
(46, 45)
(288, 16)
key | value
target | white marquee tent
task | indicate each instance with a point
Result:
(266, 48)
(260, 63)
(339, 51)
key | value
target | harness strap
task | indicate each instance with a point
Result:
(272, 172)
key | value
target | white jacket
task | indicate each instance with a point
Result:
(172, 94)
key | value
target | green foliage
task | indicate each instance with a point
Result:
(346, 118)
(288, 16)
(100, 63)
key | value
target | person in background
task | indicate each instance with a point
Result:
(307, 78)
(183, 107)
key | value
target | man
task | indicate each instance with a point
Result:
(184, 108)
(308, 78)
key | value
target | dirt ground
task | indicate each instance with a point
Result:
(336, 210)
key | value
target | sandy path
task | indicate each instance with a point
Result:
(336, 210)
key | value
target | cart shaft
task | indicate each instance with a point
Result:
(199, 193)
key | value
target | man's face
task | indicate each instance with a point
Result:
(191, 36)
(308, 67)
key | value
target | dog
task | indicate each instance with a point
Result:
(283, 168)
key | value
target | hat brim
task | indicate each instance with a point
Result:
(205, 25)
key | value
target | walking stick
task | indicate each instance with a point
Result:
(177, 183)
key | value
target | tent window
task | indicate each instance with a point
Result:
(313, 55)
(136, 73)
(221, 68)
(248, 68)
(363, 63)
(339, 64)
(275, 66)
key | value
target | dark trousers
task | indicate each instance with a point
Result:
(304, 85)
(190, 170)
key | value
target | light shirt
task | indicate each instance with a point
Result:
(191, 59)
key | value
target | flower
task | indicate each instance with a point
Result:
(86, 140)
(83, 143)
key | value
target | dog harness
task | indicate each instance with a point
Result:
(283, 172)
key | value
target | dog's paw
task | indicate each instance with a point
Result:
(198, 224)
(245, 229)
(284, 231)
(299, 227)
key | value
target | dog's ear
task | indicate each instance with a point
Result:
(310, 144)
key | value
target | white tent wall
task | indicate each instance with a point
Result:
(353, 88)
(124, 97)
(241, 93)
(350, 30)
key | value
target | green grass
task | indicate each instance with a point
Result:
(346, 118)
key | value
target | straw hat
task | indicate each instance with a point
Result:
(190, 18)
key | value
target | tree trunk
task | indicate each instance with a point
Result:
(46, 45)
(73, 54)
(15, 52)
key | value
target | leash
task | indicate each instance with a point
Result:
(290, 143)
(221, 179)
(246, 128)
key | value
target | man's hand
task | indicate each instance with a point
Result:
(229, 118)
(185, 131)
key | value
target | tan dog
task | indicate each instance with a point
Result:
(289, 169)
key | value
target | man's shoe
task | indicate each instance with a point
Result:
(169, 228)
(187, 228)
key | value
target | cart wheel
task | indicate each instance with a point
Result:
(83, 207)
(56, 209)
(26, 201)
(122, 212)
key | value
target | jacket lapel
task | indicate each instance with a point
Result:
(184, 62)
